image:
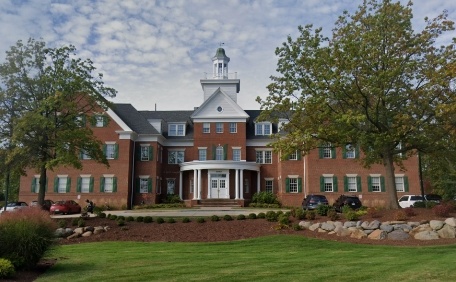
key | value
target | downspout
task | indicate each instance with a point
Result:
(304, 181)
(133, 175)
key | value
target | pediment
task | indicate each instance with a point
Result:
(219, 106)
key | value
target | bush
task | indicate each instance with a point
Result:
(130, 218)
(62, 223)
(227, 217)
(200, 220)
(186, 220)
(265, 198)
(333, 215)
(140, 219)
(81, 222)
(112, 217)
(283, 219)
(74, 221)
(409, 212)
(121, 217)
(215, 218)
(170, 220)
(120, 222)
(160, 220)
(311, 215)
(296, 227)
(240, 217)
(102, 215)
(323, 210)
(252, 215)
(299, 213)
(149, 219)
(346, 209)
(351, 215)
(374, 212)
(400, 215)
(261, 215)
(419, 205)
(171, 199)
(442, 210)
(6, 269)
(271, 216)
(25, 236)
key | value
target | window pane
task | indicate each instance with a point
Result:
(400, 187)
(108, 184)
(293, 185)
(143, 185)
(62, 184)
(110, 151)
(85, 184)
(328, 184)
(202, 154)
(233, 127)
(268, 186)
(236, 154)
(145, 153)
(351, 182)
(376, 184)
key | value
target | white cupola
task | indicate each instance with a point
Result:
(220, 64)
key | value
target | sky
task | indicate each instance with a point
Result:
(154, 53)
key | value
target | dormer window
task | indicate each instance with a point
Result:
(263, 128)
(176, 129)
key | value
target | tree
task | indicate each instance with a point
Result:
(54, 92)
(375, 83)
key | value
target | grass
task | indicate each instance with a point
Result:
(272, 258)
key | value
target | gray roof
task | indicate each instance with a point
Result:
(134, 119)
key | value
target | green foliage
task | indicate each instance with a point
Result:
(299, 213)
(140, 219)
(186, 220)
(171, 199)
(283, 219)
(351, 215)
(227, 217)
(323, 210)
(121, 217)
(113, 217)
(170, 220)
(333, 215)
(200, 220)
(346, 209)
(102, 215)
(25, 236)
(271, 216)
(252, 215)
(240, 217)
(261, 215)
(120, 222)
(149, 219)
(160, 220)
(265, 198)
(215, 218)
(419, 204)
(81, 222)
(74, 221)
(6, 269)
(62, 223)
(311, 215)
(296, 227)
(130, 218)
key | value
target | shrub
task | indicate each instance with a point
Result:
(97, 210)
(240, 217)
(442, 210)
(170, 220)
(283, 219)
(149, 219)
(299, 214)
(374, 212)
(62, 223)
(351, 215)
(400, 215)
(419, 205)
(215, 218)
(296, 227)
(265, 198)
(102, 215)
(311, 215)
(120, 222)
(25, 236)
(261, 215)
(130, 218)
(409, 212)
(121, 217)
(171, 199)
(140, 219)
(227, 217)
(81, 222)
(6, 269)
(113, 217)
(346, 209)
(200, 220)
(323, 210)
(186, 220)
(160, 220)
(333, 215)
(252, 215)
(271, 216)
(74, 221)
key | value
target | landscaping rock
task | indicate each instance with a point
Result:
(451, 221)
(436, 224)
(426, 235)
(386, 227)
(447, 231)
(398, 235)
(378, 235)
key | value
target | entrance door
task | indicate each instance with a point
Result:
(219, 189)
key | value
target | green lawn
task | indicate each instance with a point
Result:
(273, 258)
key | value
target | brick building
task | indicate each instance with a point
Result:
(217, 151)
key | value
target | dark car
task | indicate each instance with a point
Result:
(311, 202)
(65, 207)
(433, 198)
(46, 205)
(14, 206)
(347, 200)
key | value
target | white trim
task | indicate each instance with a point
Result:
(118, 120)
(85, 175)
(143, 176)
(176, 149)
(375, 175)
(144, 145)
(62, 175)
(293, 176)
(110, 142)
(351, 175)
(399, 175)
(108, 175)
(328, 175)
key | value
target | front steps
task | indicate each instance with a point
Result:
(220, 203)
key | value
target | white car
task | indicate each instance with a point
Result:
(407, 201)
(13, 206)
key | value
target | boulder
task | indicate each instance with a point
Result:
(327, 226)
(398, 235)
(451, 221)
(426, 235)
(348, 224)
(421, 228)
(447, 231)
(378, 235)
(314, 226)
(74, 235)
(303, 224)
(89, 228)
(358, 234)
(79, 230)
(436, 224)
(342, 232)
(87, 234)
(386, 227)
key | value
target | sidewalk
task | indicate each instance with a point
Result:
(191, 212)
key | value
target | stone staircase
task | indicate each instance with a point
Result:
(218, 203)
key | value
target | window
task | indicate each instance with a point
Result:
(293, 185)
(144, 184)
(176, 129)
(84, 155)
(100, 121)
(108, 184)
(219, 155)
(376, 183)
(294, 156)
(246, 186)
(264, 157)
(35, 184)
(176, 157)
(327, 151)
(352, 183)
(328, 183)
(233, 127)
(263, 128)
(269, 185)
(192, 186)
(85, 184)
(62, 184)
(206, 127)
(219, 127)
(401, 183)
(236, 154)
(80, 120)
(111, 151)
(170, 182)
(145, 153)
(350, 152)
(202, 154)
(282, 124)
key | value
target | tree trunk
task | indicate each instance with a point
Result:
(42, 192)
(390, 182)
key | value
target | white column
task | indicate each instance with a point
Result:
(258, 182)
(199, 184)
(195, 184)
(241, 196)
(180, 185)
(236, 184)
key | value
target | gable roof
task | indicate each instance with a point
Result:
(219, 98)
(133, 119)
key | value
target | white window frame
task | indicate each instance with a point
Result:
(176, 156)
(293, 156)
(350, 152)
(400, 183)
(352, 183)
(202, 154)
(206, 127)
(108, 186)
(110, 151)
(233, 127)
(85, 155)
(269, 185)
(62, 184)
(327, 151)
(219, 153)
(100, 121)
(328, 183)
(264, 156)
(293, 185)
(170, 186)
(237, 154)
(219, 127)
(144, 184)
(85, 183)
(376, 183)
(176, 129)
(145, 153)
(263, 128)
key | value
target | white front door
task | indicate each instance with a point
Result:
(219, 185)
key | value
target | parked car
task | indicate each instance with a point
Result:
(433, 198)
(347, 200)
(311, 202)
(13, 206)
(46, 206)
(407, 201)
(65, 207)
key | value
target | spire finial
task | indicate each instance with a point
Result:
(221, 43)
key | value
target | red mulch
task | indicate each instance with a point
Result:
(213, 231)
